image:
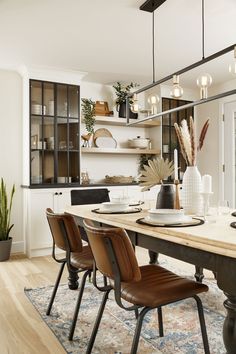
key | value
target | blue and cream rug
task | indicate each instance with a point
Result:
(181, 326)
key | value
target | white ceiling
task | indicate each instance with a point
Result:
(111, 39)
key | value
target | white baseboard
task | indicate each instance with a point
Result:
(18, 247)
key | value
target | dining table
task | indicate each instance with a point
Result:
(210, 245)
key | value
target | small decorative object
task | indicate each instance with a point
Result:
(85, 178)
(34, 141)
(105, 142)
(192, 184)
(122, 92)
(154, 173)
(102, 109)
(88, 110)
(5, 226)
(86, 140)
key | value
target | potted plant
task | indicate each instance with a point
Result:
(122, 92)
(5, 223)
(88, 110)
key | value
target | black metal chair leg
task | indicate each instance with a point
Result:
(138, 330)
(97, 322)
(160, 322)
(55, 288)
(202, 324)
(77, 307)
(136, 313)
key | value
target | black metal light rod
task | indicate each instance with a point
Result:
(188, 68)
(188, 105)
(151, 5)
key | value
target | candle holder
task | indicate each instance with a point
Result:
(206, 200)
(177, 203)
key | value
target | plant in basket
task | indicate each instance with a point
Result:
(122, 92)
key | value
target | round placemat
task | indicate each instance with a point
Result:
(196, 222)
(233, 224)
(128, 211)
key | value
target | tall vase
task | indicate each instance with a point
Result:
(191, 189)
(165, 197)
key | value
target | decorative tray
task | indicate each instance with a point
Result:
(192, 222)
(126, 211)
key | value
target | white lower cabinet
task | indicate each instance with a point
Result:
(38, 236)
(38, 239)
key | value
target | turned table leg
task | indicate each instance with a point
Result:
(199, 274)
(153, 257)
(229, 328)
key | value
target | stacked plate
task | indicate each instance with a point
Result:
(37, 109)
(166, 216)
(114, 207)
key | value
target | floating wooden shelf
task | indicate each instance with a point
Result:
(122, 122)
(120, 151)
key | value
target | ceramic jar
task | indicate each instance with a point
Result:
(165, 197)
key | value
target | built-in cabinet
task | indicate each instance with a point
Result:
(54, 133)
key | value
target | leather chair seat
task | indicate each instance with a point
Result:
(83, 260)
(159, 286)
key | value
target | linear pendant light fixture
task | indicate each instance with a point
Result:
(204, 81)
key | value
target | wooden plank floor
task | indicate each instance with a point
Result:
(22, 331)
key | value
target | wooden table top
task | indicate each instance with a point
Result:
(218, 237)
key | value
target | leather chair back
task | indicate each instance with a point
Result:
(56, 222)
(89, 196)
(123, 249)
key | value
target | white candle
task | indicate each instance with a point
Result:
(206, 184)
(176, 163)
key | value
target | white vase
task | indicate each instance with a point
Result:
(191, 189)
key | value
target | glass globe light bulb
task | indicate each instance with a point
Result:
(232, 66)
(176, 91)
(135, 105)
(153, 101)
(204, 81)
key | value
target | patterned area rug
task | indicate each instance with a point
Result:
(181, 326)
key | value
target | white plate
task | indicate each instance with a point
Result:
(115, 210)
(105, 142)
(185, 219)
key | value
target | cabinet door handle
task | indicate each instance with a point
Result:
(56, 193)
(60, 193)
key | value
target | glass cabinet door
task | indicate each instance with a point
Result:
(54, 131)
(169, 138)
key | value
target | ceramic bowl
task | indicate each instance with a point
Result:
(109, 206)
(119, 200)
(166, 215)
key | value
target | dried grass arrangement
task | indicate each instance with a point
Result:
(155, 172)
(187, 140)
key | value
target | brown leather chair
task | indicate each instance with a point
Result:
(78, 258)
(146, 287)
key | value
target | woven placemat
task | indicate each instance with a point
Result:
(194, 222)
(128, 211)
(233, 224)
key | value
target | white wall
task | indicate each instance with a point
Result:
(11, 146)
(210, 158)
